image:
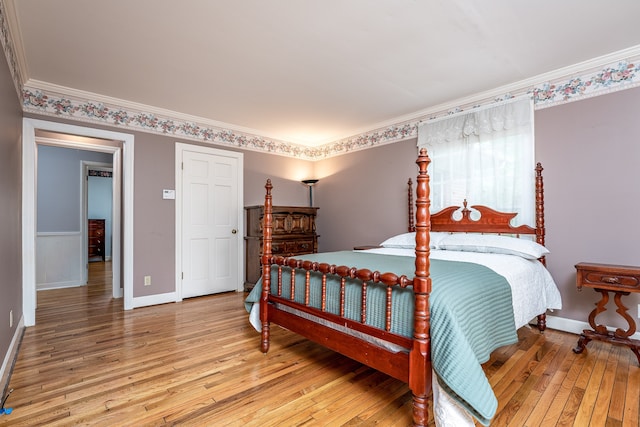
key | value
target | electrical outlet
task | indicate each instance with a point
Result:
(11, 318)
(147, 280)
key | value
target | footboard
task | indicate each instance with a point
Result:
(345, 328)
(408, 357)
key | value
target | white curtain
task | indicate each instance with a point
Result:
(485, 155)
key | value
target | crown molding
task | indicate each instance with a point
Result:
(606, 74)
(53, 100)
(616, 71)
(600, 76)
(78, 94)
(12, 44)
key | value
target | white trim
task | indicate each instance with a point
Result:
(57, 233)
(78, 94)
(11, 354)
(59, 260)
(482, 97)
(575, 326)
(180, 148)
(60, 285)
(156, 299)
(29, 172)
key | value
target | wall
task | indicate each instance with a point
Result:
(10, 218)
(363, 195)
(59, 186)
(154, 218)
(590, 151)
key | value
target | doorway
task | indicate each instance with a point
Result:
(97, 213)
(123, 186)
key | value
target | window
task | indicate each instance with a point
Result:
(486, 156)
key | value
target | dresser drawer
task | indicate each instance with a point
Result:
(277, 248)
(300, 247)
(96, 232)
(292, 247)
(610, 277)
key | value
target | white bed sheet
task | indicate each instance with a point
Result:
(532, 287)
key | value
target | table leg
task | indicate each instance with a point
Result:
(601, 333)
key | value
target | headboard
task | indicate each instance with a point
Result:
(490, 221)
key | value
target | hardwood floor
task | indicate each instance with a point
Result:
(198, 363)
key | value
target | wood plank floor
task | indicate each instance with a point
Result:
(88, 362)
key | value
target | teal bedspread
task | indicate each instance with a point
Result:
(471, 315)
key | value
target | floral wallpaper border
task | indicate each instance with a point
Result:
(624, 74)
(40, 102)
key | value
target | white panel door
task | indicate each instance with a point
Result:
(210, 235)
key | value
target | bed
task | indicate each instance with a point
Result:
(381, 308)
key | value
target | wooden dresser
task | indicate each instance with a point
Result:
(294, 233)
(96, 232)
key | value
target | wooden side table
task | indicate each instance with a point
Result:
(605, 278)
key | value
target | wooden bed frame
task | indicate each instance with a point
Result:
(413, 366)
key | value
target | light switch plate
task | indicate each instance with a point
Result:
(169, 194)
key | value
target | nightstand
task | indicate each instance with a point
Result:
(605, 278)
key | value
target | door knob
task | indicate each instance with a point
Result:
(234, 231)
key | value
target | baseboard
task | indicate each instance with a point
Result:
(154, 299)
(59, 285)
(11, 356)
(574, 326)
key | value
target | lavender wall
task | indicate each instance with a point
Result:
(590, 151)
(363, 195)
(10, 209)
(154, 218)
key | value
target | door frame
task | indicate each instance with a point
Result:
(180, 148)
(121, 156)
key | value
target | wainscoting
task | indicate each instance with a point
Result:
(59, 260)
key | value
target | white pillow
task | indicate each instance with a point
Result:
(408, 240)
(405, 241)
(436, 238)
(493, 243)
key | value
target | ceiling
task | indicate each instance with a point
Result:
(308, 71)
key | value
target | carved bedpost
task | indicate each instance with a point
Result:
(267, 232)
(412, 226)
(419, 359)
(540, 231)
